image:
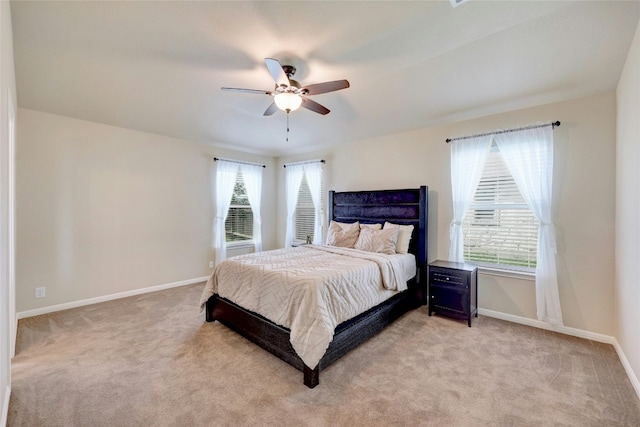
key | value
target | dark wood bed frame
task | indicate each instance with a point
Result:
(398, 206)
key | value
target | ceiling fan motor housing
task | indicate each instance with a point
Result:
(289, 70)
(294, 86)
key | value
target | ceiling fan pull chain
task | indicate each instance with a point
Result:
(287, 126)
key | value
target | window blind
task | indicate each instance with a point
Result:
(499, 228)
(239, 223)
(305, 213)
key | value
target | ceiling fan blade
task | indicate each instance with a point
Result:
(272, 109)
(325, 87)
(257, 91)
(277, 72)
(314, 106)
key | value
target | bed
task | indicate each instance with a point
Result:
(404, 207)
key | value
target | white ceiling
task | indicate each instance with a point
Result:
(158, 66)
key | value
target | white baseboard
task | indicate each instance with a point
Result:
(627, 367)
(89, 301)
(573, 332)
(5, 406)
(580, 333)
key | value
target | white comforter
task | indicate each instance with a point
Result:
(310, 290)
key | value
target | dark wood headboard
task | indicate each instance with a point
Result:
(409, 206)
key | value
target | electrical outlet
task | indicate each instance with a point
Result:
(40, 292)
(210, 264)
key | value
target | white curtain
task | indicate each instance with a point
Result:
(468, 157)
(226, 173)
(313, 172)
(293, 179)
(252, 177)
(529, 157)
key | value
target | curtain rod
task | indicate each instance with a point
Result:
(238, 161)
(553, 124)
(304, 162)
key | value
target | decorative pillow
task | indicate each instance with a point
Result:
(344, 237)
(343, 225)
(372, 226)
(382, 241)
(404, 236)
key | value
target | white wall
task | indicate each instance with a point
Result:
(7, 107)
(627, 289)
(104, 210)
(584, 186)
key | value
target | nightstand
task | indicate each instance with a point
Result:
(453, 289)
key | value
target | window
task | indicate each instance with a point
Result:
(239, 223)
(499, 228)
(304, 186)
(305, 213)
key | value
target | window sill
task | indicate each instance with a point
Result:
(241, 245)
(513, 274)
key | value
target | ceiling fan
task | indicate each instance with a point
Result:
(288, 95)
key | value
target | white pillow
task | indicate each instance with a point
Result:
(404, 236)
(343, 225)
(382, 241)
(372, 226)
(344, 237)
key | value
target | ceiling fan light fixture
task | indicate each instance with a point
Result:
(288, 101)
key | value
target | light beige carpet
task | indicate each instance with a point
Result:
(151, 360)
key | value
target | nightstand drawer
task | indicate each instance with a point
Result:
(447, 277)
